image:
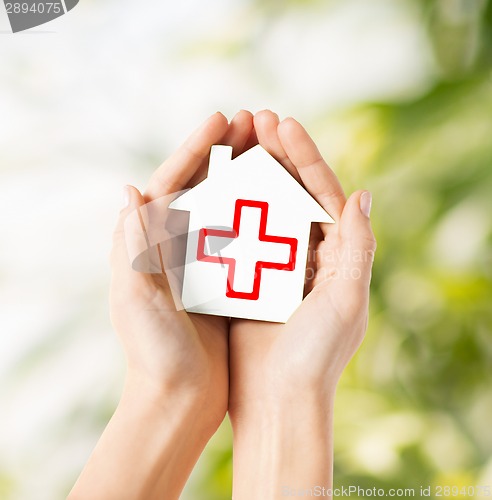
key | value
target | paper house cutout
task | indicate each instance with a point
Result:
(248, 237)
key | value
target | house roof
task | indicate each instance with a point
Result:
(255, 169)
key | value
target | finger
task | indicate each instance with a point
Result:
(239, 131)
(124, 278)
(236, 136)
(266, 124)
(174, 174)
(358, 238)
(252, 140)
(318, 178)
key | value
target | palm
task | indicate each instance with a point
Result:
(172, 346)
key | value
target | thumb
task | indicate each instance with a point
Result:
(357, 236)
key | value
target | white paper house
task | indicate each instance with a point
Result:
(248, 237)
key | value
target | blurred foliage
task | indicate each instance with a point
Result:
(425, 368)
(414, 406)
(6, 485)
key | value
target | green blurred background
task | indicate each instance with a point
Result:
(397, 94)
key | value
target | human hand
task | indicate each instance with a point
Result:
(314, 346)
(166, 349)
(178, 362)
(286, 374)
(176, 390)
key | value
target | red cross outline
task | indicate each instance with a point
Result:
(231, 262)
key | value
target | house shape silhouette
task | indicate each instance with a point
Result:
(248, 237)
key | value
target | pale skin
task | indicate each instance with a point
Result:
(277, 381)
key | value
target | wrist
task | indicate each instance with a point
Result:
(159, 398)
(154, 437)
(275, 404)
(282, 413)
(183, 403)
(284, 443)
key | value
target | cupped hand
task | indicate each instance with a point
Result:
(306, 355)
(170, 352)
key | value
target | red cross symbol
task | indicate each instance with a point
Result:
(231, 262)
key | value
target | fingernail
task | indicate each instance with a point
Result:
(365, 203)
(126, 196)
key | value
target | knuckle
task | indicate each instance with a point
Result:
(370, 243)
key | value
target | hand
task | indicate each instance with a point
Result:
(176, 391)
(287, 373)
(166, 349)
